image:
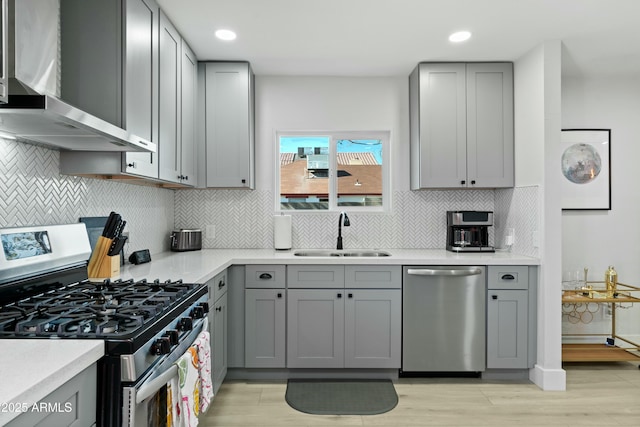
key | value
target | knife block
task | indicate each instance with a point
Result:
(102, 266)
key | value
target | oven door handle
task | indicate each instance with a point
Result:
(149, 389)
(152, 387)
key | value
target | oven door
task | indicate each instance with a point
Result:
(140, 402)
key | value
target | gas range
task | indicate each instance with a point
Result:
(146, 325)
(110, 310)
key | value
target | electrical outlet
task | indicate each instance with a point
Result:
(211, 231)
(127, 235)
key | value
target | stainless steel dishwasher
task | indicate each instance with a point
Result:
(443, 319)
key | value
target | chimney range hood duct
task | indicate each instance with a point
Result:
(30, 104)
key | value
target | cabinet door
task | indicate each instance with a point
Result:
(229, 125)
(438, 126)
(315, 328)
(219, 342)
(265, 326)
(189, 79)
(490, 125)
(507, 326)
(141, 82)
(372, 328)
(76, 400)
(169, 136)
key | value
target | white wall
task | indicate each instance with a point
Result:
(596, 239)
(332, 103)
(537, 135)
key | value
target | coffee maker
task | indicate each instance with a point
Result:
(468, 231)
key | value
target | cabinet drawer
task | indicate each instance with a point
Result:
(507, 277)
(373, 276)
(315, 276)
(264, 276)
(218, 285)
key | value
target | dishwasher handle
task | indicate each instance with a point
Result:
(455, 272)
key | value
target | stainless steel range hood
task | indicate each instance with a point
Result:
(30, 104)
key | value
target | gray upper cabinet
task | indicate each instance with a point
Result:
(109, 57)
(229, 125)
(461, 125)
(178, 76)
(169, 101)
(155, 79)
(188, 98)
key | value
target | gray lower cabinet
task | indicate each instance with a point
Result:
(265, 326)
(72, 404)
(510, 318)
(372, 328)
(315, 328)
(330, 326)
(218, 327)
(265, 316)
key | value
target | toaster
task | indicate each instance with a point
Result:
(186, 240)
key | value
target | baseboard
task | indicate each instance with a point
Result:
(548, 379)
(506, 374)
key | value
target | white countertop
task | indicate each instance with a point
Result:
(200, 266)
(30, 369)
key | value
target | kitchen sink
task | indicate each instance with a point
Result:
(336, 253)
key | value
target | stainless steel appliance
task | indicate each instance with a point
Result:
(30, 104)
(443, 319)
(146, 325)
(186, 240)
(468, 231)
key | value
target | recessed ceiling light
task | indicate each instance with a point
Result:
(225, 35)
(460, 36)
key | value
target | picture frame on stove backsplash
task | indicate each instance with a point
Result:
(586, 169)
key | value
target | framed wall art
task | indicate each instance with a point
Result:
(586, 169)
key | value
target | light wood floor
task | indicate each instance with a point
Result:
(605, 394)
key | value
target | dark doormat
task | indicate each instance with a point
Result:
(341, 397)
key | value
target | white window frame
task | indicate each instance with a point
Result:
(334, 136)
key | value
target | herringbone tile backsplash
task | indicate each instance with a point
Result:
(245, 219)
(33, 192)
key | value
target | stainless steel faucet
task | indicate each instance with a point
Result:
(346, 223)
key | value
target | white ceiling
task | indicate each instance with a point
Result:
(389, 37)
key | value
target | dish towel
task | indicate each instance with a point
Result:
(173, 397)
(204, 370)
(187, 408)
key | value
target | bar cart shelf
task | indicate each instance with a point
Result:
(617, 347)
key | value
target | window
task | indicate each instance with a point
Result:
(332, 171)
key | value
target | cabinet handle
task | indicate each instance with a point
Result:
(494, 296)
(221, 284)
(508, 277)
(265, 276)
(186, 177)
(218, 308)
(339, 295)
(473, 182)
(244, 181)
(463, 182)
(279, 294)
(350, 295)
